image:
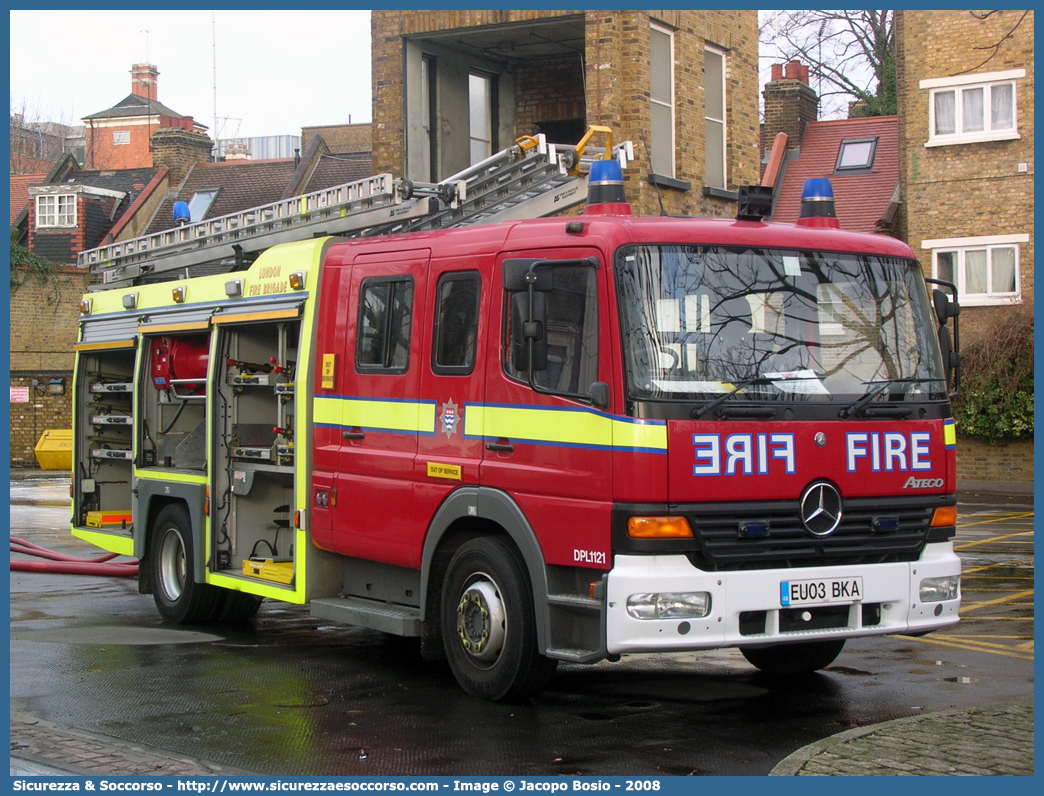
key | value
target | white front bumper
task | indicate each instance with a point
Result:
(895, 587)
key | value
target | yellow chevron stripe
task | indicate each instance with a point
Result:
(562, 427)
(412, 416)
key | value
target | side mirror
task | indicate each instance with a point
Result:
(600, 395)
(946, 345)
(526, 330)
(944, 308)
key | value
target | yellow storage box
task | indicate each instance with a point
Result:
(54, 450)
(279, 570)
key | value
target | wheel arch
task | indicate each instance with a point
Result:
(470, 512)
(153, 497)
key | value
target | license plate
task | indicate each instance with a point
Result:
(818, 592)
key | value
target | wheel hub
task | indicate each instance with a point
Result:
(172, 566)
(481, 620)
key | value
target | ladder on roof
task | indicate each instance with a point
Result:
(527, 180)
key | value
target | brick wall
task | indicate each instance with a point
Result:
(179, 150)
(965, 190)
(341, 138)
(999, 462)
(973, 189)
(616, 59)
(43, 331)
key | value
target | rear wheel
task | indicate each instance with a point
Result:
(488, 623)
(178, 597)
(797, 658)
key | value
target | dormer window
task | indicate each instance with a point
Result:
(856, 154)
(56, 210)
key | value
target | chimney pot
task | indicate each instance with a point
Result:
(793, 70)
(777, 72)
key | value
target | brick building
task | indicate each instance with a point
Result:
(120, 137)
(965, 81)
(44, 328)
(452, 87)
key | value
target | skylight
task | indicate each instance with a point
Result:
(856, 154)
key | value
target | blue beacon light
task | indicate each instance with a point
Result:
(817, 204)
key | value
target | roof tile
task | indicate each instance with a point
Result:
(860, 200)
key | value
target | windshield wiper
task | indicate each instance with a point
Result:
(873, 392)
(701, 411)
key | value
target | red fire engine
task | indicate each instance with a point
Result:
(539, 440)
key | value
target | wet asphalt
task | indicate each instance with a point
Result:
(287, 694)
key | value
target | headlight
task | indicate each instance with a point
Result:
(935, 590)
(670, 605)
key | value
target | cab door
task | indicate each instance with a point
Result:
(453, 377)
(381, 413)
(553, 454)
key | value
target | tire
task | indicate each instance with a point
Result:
(488, 623)
(178, 597)
(797, 658)
(238, 606)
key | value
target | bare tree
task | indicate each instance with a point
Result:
(850, 55)
(36, 145)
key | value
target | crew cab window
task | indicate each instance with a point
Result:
(456, 323)
(572, 333)
(383, 333)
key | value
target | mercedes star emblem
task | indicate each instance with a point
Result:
(821, 509)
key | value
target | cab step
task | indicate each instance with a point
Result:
(399, 620)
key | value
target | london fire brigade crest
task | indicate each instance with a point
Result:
(449, 417)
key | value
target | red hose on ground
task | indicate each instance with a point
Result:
(43, 553)
(70, 568)
(63, 564)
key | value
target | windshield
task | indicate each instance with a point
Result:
(700, 322)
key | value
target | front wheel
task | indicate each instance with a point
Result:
(796, 658)
(178, 597)
(488, 623)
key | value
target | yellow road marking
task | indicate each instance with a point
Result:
(1002, 518)
(971, 640)
(997, 564)
(972, 648)
(993, 539)
(975, 635)
(998, 601)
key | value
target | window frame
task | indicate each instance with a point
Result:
(861, 169)
(986, 81)
(491, 115)
(468, 367)
(366, 284)
(57, 218)
(989, 243)
(205, 208)
(670, 172)
(723, 121)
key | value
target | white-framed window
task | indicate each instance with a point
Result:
(56, 210)
(480, 101)
(714, 115)
(970, 108)
(661, 100)
(985, 269)
(120, 137)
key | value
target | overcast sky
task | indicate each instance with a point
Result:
(276, 71)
